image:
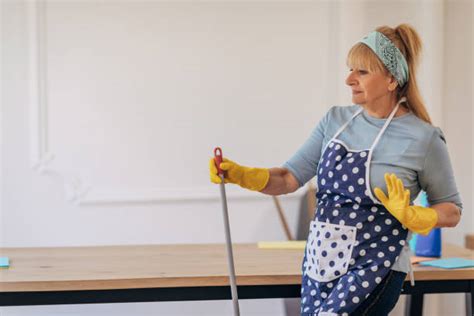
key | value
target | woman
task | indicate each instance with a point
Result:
(356, 256)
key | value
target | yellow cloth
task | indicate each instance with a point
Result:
(416, 218)
(254, 179)
(292, 244)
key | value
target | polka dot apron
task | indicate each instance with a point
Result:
(353, 240)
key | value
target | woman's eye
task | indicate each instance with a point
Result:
(362, 72)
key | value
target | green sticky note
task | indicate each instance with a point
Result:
(4, 262)
(449, 263)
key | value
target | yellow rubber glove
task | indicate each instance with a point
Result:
(418, 219)
(254, 179)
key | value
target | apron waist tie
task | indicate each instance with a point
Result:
(412, 277)
(410, 270)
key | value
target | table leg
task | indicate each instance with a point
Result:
(414, 305)
(470, 301)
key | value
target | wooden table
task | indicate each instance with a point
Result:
(145, 273)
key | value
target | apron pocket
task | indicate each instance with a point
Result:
(329, 250)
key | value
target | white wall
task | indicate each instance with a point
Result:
(130, 98)
(458, 111)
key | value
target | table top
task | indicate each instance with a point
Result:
(179, 265)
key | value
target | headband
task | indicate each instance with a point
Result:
(389, 54)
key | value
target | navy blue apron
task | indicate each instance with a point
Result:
(353, 240)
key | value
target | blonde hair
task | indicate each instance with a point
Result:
(408, 42)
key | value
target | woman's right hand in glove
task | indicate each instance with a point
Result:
(254, 179)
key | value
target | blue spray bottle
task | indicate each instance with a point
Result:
(430, 245)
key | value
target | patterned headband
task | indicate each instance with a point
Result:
(389, 54)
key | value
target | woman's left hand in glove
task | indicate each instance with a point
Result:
(416, 218)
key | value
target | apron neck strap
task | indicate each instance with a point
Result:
(394, 111)
(339, 131)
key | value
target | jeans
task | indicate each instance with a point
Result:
(384, 297)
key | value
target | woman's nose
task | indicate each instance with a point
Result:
(350, 80)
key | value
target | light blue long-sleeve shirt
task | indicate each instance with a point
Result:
(410, 148)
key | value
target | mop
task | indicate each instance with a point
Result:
(230, 258)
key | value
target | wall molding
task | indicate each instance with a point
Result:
(41, 157)
(76, 190)
(209, 193)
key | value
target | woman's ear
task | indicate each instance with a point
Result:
(393, 84)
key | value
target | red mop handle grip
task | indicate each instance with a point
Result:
(218, 159)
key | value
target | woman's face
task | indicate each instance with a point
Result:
(369, 87)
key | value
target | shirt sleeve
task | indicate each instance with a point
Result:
(304, 162)
(437, 177)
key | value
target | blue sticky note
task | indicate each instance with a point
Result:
(449, 263)
(4, 262)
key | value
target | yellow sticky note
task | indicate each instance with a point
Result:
(291, 244)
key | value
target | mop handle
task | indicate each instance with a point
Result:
(230, 257)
